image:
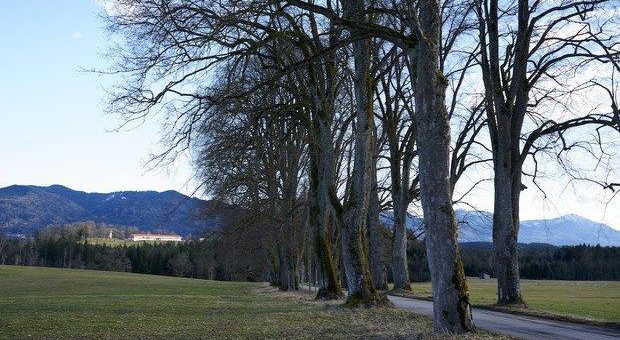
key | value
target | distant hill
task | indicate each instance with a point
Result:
(26, 208)
(565, 230)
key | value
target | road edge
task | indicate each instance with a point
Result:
(536, 313)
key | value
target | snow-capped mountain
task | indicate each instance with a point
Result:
(476, 226)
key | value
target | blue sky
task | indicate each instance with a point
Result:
(53, 129)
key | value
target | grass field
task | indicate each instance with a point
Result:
(64, 304)
(594, 300)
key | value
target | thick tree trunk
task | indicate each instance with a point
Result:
(321, 165)
(361, 291)
(287, 280)
(452, 311)
(505, 231)
(354, 253)
(377, 267)
(287, 266)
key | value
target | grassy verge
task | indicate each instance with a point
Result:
(593, 302)
(67, 304)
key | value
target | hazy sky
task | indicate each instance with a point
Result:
(53, 129)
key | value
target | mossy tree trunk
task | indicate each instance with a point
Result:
(320, 173)
(452, 312)
(354, 214)
(505, 115)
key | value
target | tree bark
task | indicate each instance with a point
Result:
(505, 112)
(400, 170)
(506, 226)
(354, 254)
(355, 211)
(287, 275)
(375, 244)
(452, 311)
(320, 173)
(400, 268)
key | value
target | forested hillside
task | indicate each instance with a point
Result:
(26, 209)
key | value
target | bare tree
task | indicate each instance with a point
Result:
(451, 307)
(524, 67)
(398, 123)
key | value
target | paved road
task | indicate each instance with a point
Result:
(524, 327)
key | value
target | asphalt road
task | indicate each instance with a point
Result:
(523, 327)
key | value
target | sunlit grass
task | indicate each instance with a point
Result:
(596, 300)
(64, 304)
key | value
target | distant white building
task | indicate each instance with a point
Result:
(156, 237)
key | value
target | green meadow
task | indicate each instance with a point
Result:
(592, 300)
(48, 303)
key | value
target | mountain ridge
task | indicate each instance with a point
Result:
(27, 208)
(570, 229)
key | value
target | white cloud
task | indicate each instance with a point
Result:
(76, 35)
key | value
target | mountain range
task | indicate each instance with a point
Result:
(27, 208)
(477, 226)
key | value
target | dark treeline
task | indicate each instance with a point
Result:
(215, 258)
(199, 259)
(538, 262)
(79, 246)
(86, 229)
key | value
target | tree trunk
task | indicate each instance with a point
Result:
(321, 164)
(400, 269)
(361, 291)
(452, 311)
(287, 273)
(274, 271)
(375, 244)
(505, 231)
(354, 254)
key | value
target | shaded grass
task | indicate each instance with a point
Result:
(66, 304)
(588, 300)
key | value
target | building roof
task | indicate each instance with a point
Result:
(155, 235)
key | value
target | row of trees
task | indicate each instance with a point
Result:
(314, 116)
